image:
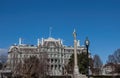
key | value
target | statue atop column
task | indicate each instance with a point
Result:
(76, 73)
(74, 34)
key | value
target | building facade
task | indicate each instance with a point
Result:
(58, 54)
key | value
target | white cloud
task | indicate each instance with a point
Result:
(3, 55)
(3, 51)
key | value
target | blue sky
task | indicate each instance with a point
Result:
(31, 19)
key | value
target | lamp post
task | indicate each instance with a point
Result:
(87, 43)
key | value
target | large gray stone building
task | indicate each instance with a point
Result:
(58, 53)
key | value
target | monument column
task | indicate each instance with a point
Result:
(76, 69)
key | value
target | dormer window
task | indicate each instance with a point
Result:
(51, 44)
(14, 49)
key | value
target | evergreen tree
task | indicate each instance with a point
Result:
(82, 63)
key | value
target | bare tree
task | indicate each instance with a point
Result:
(32, 67)
(117, 55)
(115, 59)
(111, 59)
(97, 64)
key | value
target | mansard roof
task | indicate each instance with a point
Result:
(52, 42)
(21, 47)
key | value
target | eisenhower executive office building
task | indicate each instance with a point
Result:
(58, 53)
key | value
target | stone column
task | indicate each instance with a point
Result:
(76, 69)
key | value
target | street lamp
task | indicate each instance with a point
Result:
(87, 43)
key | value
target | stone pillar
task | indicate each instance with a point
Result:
(76, 69)
(76, 73)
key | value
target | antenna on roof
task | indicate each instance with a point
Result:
(38, 41)
(50, 31)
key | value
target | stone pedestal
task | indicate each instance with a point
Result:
(76, 72)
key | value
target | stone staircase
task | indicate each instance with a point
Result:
(80, 76)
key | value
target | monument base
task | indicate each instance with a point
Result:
(79, 76)
(76, 73)
(76, 70)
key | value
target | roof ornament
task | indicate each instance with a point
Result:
(20, 41)
(42, 41)
(78, 43)
(38, 41)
